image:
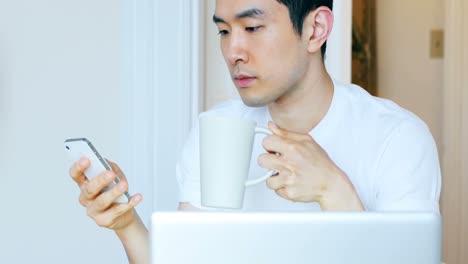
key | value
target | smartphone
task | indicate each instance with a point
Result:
(82, 147)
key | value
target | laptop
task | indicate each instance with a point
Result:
(295, 238)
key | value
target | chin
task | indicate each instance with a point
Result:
(256, 98)
(255, 102)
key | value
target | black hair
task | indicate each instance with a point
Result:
(300, 9)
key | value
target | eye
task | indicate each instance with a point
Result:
(252, 29)
(223, 32)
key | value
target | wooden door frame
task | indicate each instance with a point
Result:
(454, 201)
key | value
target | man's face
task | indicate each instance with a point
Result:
(266, 57)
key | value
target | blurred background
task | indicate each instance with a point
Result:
(132, 76)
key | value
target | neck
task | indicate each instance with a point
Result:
(305, 105)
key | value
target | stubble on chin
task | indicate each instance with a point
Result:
(256, 101)
(253, 103)
(261, 100)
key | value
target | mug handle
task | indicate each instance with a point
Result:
(270, 173)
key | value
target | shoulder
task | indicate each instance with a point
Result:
(396, 135)
(401, 154)
(375, 115)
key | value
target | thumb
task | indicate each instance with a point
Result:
(276, 130)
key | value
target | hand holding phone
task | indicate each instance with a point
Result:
(82, 147)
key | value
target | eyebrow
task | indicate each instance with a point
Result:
(250, 13)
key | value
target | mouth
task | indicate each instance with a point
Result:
(243, 80)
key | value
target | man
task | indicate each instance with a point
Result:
(340, 148)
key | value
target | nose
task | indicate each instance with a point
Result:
(237, 50)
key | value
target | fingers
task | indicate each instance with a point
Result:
(95, 186)
(107, 198)
(276, 130)
(101, 206)
(281, 180)
(77, 171)
(275, 144)
(117, 170)
(285, 133)
(283, 141)
(115, 213)
(284, 193)
(275, 183)
(120, 209)
(289, 145)
(271, 162)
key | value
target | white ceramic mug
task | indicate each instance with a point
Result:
(225, 153)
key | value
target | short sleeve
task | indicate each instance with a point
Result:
(408, 171)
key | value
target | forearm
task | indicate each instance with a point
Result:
(135, 239)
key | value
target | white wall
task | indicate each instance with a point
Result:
(406, 74)
(59, 78)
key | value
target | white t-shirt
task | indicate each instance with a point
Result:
(387, 152)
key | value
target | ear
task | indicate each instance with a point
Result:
(317, 28)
